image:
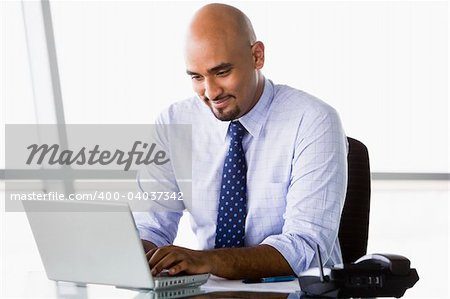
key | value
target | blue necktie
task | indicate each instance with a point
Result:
(230, 230)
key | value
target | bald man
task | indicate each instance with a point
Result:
(283, 150)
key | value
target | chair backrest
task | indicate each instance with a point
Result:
(354, 226)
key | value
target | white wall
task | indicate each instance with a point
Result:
(382, 64)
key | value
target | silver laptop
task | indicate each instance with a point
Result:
(95, 242)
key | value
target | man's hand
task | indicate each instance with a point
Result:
(232, 263)
(148, 245)
(178, 259)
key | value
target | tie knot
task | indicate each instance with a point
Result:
(236, 130)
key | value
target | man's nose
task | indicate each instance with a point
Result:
(212, 89)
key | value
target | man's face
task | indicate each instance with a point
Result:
(223, 76)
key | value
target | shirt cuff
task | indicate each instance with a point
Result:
(152, 236)
(294, 251)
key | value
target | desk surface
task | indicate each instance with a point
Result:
(36, 285)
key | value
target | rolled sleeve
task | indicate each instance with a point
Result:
(160, 228)
(290, 248)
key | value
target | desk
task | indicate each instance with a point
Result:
(36, 285)
(66, 291)
(219, 284)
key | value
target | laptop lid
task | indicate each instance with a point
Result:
(89, 242)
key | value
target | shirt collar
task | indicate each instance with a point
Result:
(253, 120)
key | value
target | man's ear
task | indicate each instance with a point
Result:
(258, 55)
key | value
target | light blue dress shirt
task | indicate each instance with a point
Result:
(296, 153)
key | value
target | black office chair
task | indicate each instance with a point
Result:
(354, 226)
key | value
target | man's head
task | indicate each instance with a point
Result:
(224, 60)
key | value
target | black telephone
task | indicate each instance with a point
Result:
(373, 275)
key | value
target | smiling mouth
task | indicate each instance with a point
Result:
(221, 103)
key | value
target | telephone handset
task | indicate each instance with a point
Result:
(373, 275)
(397, 264)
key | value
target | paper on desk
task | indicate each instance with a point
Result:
(215, 283)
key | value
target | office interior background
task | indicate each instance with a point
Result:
(382, 64)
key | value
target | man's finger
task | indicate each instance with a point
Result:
(180, 267)
(150, 253)
(157, 255)
(165, 263)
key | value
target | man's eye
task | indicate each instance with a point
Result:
(223, 73)
(196, 78)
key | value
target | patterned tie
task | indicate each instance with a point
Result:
(230, 230)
